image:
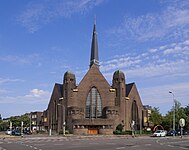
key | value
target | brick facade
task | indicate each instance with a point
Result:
(94, 106)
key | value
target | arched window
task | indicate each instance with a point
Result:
(93, 104)
(135, 113)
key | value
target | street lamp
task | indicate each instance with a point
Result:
(173, 112)
(63, 116)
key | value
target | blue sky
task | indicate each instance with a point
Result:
(40, 40)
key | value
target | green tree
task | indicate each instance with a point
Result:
(16, 120)
(155, 117)
(180, 112)
(186, 111)
(168, 121)
(26, 120)
(4, 125)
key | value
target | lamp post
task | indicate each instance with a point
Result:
(11, 126)
(173, 112)
(63, 116)
(22, 124)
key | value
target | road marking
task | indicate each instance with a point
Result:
(93, 143)
(59, 144)
(170, 145)
(39, 144)
(120, 147)
(183, 147)
(148, 144)
(135, 146)
(35, 147)
(111, 143)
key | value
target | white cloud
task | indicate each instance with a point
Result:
(166, 60)
(164, 69)
(21, 59)
(8, 80)
(172, 22)
(35, 96)
(38, 14)
(159, 95)
(37, 93)
(153, 50)
(35, 100)
(2, 91)
(186, 42)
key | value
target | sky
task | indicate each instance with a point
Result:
(40, 40)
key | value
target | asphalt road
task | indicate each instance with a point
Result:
(95, 143)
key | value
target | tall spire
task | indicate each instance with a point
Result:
(94, 47)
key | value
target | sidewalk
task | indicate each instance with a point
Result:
(9, 137)
(46, 136)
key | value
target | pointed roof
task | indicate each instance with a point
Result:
(129, 87)
(94, 47)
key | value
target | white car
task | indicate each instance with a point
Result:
(8, 132)
(160, 133)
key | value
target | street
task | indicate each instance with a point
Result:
(94, 143)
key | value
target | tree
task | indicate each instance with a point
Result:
(186, 111)
(4, 125)
(155, 116)
(16, 120)
(180, 112)
(168, 121)
(26, 120)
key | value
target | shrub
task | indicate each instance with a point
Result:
(120, 127)
(117, 132)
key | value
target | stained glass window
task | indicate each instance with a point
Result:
(93, 104)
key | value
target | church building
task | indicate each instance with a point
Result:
(94, 106)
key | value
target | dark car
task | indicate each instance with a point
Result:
(186, 132)
(28, 132)
(16, 132)
(172, 132)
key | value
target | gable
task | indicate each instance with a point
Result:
(133, 94)
(128, 88)
(57, 93)
(94, 78)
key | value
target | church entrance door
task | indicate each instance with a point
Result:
(93, 130)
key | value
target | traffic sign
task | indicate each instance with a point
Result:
(182, 122)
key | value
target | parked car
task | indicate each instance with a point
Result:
(160, 133)
(186, 132)
(172, 132)
(8, 132)
(28, 132)
(16, 132)
(177, 132)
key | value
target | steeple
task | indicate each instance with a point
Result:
(94, 47)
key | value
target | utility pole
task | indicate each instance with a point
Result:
(173, 112)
